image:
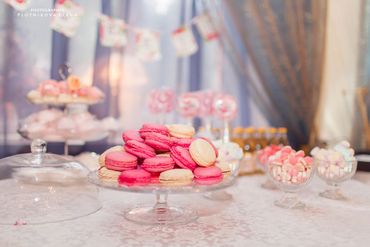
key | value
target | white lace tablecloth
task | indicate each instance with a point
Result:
(250, 219)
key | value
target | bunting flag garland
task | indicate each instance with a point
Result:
(115, 32)
(184, 42)
(147, 45)
(112, 32)
(205, 27)
(66, 17)
(20, 5)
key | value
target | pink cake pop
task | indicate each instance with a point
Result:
(206, 102)
(189, 104)
(225, 107)
(161, 100)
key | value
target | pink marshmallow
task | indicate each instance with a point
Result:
(300, 153)
(308, 160)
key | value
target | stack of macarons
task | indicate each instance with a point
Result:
(165, 154)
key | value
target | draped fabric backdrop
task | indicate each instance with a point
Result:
(361, 131)
(284, 42)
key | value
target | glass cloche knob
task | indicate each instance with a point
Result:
(38, 146)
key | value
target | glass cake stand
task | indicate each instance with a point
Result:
(162, 213)
(40, 188)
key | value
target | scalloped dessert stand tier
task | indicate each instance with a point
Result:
(73, 101)
(70, 136)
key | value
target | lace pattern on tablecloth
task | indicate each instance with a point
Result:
(250, 219)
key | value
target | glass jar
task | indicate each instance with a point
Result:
(272, 136)
(283, 136)
(237, 136)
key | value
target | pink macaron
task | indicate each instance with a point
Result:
(182, 142)
(134, 177)
(120, 161)
(131, 135)
(182, 158)
(156, 128)
(158, 164)
(159, 142)
(154, 179)
(208, 175)
(139, 149)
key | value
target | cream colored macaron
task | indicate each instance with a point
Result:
(108, 175)
(176, 177)
(181, 130)
(202, 152)
(112, 149)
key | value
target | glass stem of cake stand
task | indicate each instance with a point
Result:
(161, 205)
(161, 209)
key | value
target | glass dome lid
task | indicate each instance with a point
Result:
(39, 187)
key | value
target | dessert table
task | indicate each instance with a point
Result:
(250, 219)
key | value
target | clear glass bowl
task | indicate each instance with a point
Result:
(39, 188)
(280, 175)
(334, 173)
(161, 212)
(267, 184)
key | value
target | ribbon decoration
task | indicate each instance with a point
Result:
(112, 32)
(184, 41)
(205, 27)
(147, 45)
(20, 5)
(66, 17)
